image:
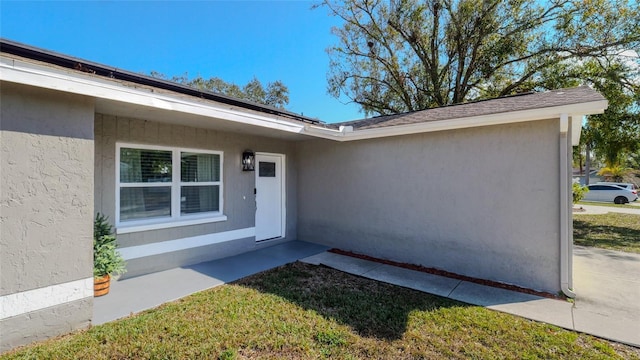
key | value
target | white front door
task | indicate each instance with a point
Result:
(270, 211)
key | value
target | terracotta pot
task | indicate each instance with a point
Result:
(101, 285)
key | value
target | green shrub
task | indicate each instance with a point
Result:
(578, 192)
(106, 259)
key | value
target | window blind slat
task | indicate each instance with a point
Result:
(146, 183)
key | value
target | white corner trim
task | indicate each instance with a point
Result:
(31, 300)
(564, 123)
(163, 247)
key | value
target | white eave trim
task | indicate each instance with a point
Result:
(26, 73)
(37, 75)
(576, 111)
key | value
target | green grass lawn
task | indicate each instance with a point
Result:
(609, 231)
(302, 311)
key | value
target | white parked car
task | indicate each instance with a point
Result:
(628, 186)
(610, 193)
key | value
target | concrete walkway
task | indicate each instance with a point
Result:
(144, 292)
(613, 319)
(632, 208)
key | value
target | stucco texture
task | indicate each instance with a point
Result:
(46, 188)
(42, 324)
(481, 202)
(238, 187)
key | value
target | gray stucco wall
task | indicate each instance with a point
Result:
(63, 319)
(46, 199)
(481, 202)
(239, 199)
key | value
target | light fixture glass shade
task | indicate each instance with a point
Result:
(248, 161)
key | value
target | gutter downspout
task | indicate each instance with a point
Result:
(566, 247)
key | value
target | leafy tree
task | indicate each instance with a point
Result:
(578, 192)
(633, 160)
(275, 94)
(615, 173)
(614, 135)
(408, 55)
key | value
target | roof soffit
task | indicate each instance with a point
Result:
(147, 102)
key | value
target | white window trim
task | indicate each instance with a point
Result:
(176, 218)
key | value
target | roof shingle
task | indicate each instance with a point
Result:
(527, 101)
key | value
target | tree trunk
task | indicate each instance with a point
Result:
(587, 164)
(580, 163)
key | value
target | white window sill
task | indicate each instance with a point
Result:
(126, 229)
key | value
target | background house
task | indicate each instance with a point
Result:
(582, 178)
(445, 188)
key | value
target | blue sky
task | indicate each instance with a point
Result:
(233, 40)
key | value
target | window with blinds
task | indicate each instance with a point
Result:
(199, 182)
(170, 183)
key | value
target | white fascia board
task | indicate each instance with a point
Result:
(593, 107)
(16, 71)
(324, 133)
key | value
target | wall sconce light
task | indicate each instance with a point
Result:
(248, 160)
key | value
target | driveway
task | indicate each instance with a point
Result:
(607, 286)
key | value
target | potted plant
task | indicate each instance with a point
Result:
(106, 259)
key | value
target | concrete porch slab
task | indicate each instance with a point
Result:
(136, 294)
